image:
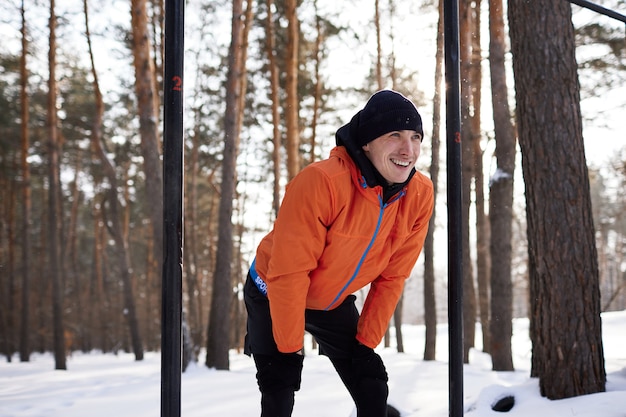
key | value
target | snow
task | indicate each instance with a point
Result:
(107, 385)
(499, 175)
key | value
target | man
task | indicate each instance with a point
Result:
(355, 219)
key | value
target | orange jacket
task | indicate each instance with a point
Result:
(332, 237)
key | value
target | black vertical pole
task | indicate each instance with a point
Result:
(455, 253)
(171, 320)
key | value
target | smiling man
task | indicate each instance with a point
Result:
(358, 218)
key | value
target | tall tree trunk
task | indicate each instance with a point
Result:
(99, 294)
(190, 251)
(393, 73)
(291, 87)
(500, 198)
(317, 94)
(53, 208)
(243, 82)
(113, 221)
(4, 342)
(5, 279)
(379, 83)
(42, 285)
(565, 324)
(379, 50)
(238, 309)
(397, 315)
(430, 300)
(397, 324)
(482, 226)
(10, 301)
(74, 305)
(26, 196)
(97, 313)
(469, 292)
(218, 335)
(148, 107)
(276, 134)
(153, 334)
(158, 42)
(4, 296)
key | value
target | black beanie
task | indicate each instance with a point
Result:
(387, 111)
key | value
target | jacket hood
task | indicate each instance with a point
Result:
(346, 136)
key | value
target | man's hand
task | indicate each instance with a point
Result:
(367, 363)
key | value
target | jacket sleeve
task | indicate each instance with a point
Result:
(379, 306)
(386, 290)
(298, 243)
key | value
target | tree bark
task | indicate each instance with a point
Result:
(397, 324)
(218, 335)
(9, 302)
(317, 94)
(274, 86)
(76, 324)
(291, 87)
(565, 324)
(42, 285)
(26, 196)
(95, 314)
(148, 106)
(190, 252)
(467, 162)
(500, 198)
(53, 208)
(113, 220)
(430, 300)
(482, 225)
(379, 51)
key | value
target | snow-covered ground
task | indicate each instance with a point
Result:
(97, 385)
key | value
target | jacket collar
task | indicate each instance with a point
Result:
(345, 137)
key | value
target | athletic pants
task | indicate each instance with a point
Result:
(278, 374)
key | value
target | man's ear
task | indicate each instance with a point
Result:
(366, 147)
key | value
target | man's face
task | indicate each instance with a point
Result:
(394, 154)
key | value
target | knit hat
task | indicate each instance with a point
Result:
(387, 111)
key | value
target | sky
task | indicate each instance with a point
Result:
(106, 385)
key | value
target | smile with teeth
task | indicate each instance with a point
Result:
(401, 163)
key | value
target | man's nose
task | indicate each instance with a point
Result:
(407, 145)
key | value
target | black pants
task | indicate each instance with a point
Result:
(278, 374)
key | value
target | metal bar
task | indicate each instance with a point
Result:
(454, 190)
(599, 9)
(171, 320)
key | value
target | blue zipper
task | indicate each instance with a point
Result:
(262, 286)
(369, 246)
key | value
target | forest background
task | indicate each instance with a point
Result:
(80, 154)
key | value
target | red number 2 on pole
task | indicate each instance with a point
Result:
(178, 83)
